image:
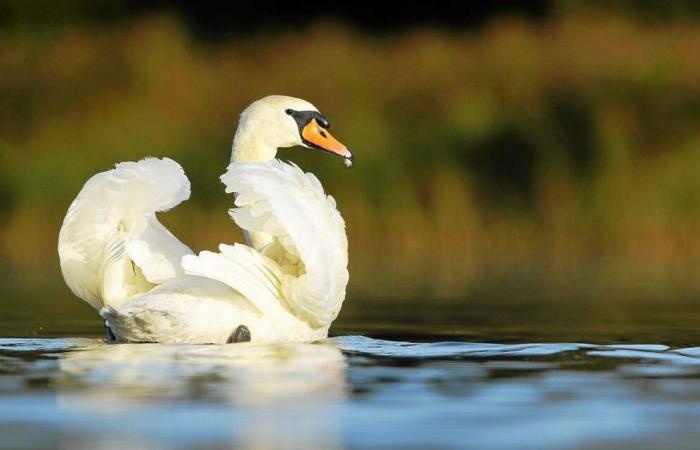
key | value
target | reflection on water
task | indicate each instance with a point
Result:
(278, 387)
(347, 392)
(250, 375)
(183, 394)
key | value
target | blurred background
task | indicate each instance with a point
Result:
(516, 162)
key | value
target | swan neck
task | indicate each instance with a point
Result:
(247, 147)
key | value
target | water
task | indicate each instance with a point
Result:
(405, 374)
(347, 392)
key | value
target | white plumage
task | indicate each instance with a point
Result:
(288, 284)
(291, 207)
(112, 223)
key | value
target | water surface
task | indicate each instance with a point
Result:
(347, 392)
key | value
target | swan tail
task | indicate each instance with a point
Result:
(111, 245)
(306, 231)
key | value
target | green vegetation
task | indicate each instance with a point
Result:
(553, 161)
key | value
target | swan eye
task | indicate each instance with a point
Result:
(289, 111)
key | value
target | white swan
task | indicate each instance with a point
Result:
(287, 284)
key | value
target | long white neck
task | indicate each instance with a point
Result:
(249, 148)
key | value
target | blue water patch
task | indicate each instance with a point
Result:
(347, 392)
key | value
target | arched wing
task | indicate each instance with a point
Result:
(111, 246)
(308, 234)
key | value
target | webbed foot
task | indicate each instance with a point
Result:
(111, 338)
(242, 334)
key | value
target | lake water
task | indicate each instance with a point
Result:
(637, 386)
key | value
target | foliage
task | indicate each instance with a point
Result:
(557, 160)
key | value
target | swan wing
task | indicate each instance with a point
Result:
(308, 240)
(111, 245)
(244, 269)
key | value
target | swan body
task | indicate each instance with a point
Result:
(287, 283)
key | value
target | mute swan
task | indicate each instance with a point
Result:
(287, 284)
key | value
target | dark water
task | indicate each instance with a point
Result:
(403, 375)
(347, 392)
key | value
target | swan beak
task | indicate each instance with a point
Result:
(318, 137)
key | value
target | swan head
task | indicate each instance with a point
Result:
(278, 121)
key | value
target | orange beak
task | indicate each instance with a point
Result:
(319, 137)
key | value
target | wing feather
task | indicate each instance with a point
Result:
(111, 245)
(309, 240)
(245, 270)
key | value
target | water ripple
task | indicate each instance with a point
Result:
(360, 345)
(349, 391)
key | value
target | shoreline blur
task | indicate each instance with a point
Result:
(556, 162)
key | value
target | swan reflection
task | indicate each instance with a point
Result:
(271, 395)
